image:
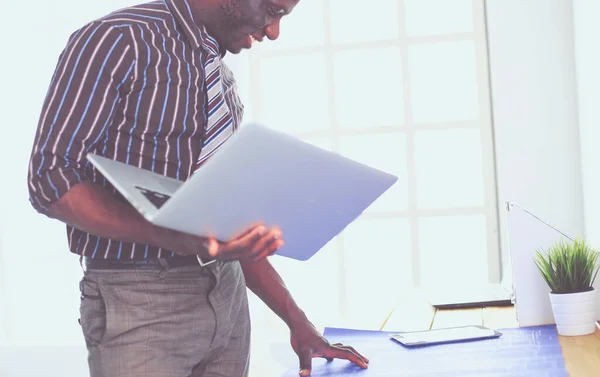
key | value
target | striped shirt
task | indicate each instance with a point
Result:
(129, 86)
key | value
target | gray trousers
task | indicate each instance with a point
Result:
(153, 321)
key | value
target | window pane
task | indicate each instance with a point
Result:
(3, 313)
(294, 33)
(368, 94)
(449, 168)
(295, 102)
(358, 21)
(386, 152)
(453, 251)
(443, 80)
(430, 17)
(377, 255)
(314, 284)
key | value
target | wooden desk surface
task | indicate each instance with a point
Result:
(581, 354)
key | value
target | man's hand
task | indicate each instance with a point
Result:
(308, 343)
(256, 243)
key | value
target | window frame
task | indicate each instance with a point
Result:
(490, 209)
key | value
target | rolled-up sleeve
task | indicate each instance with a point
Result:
(79, 106)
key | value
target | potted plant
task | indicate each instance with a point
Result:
(570, 269)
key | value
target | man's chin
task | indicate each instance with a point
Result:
(234, 50)
(236, 47)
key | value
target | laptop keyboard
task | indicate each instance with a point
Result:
(156, 198)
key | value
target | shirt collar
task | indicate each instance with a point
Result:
(196, 33)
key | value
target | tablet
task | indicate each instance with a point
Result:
(445, 335)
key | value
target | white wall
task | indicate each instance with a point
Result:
(535, 110)
(3, 308)
(40, 275)
(587, 31)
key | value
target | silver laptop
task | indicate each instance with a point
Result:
(476, 296)
(259, 174)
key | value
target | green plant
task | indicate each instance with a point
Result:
(568, 267)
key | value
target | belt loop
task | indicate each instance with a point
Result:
(165, 265)
(81, 264)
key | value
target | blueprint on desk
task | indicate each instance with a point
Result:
(521, 352)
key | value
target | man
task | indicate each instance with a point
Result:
(146, 86)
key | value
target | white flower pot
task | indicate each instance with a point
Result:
(574, 313)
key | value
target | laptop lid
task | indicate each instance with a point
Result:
(261, 174)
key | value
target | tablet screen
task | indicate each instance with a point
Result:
(444, 335)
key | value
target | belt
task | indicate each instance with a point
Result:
(173, 262)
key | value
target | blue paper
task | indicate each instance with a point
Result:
(521, 352)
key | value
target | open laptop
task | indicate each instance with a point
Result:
(475, 297)
(259, 174)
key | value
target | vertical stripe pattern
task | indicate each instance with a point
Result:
(220, 119)
(144, 85)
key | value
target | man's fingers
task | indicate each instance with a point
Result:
(340, 353)
(271, 248)
(245, 242)
(349, 348)
(267, 244)
(212, 245)
(305, 356)
(335, 351)
(265, 240)
(257, 243)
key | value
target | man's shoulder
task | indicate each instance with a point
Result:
(142, 15)
(139, 15)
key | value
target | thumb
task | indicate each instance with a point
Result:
(305, 362)
(212, 247)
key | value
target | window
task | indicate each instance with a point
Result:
(3, 306)
(401, 85)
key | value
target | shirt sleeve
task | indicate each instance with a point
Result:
(78, 108)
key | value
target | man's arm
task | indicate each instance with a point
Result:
(78, 108)
(93, 209)
(265, 282)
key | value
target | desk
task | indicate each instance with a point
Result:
(581, 354)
